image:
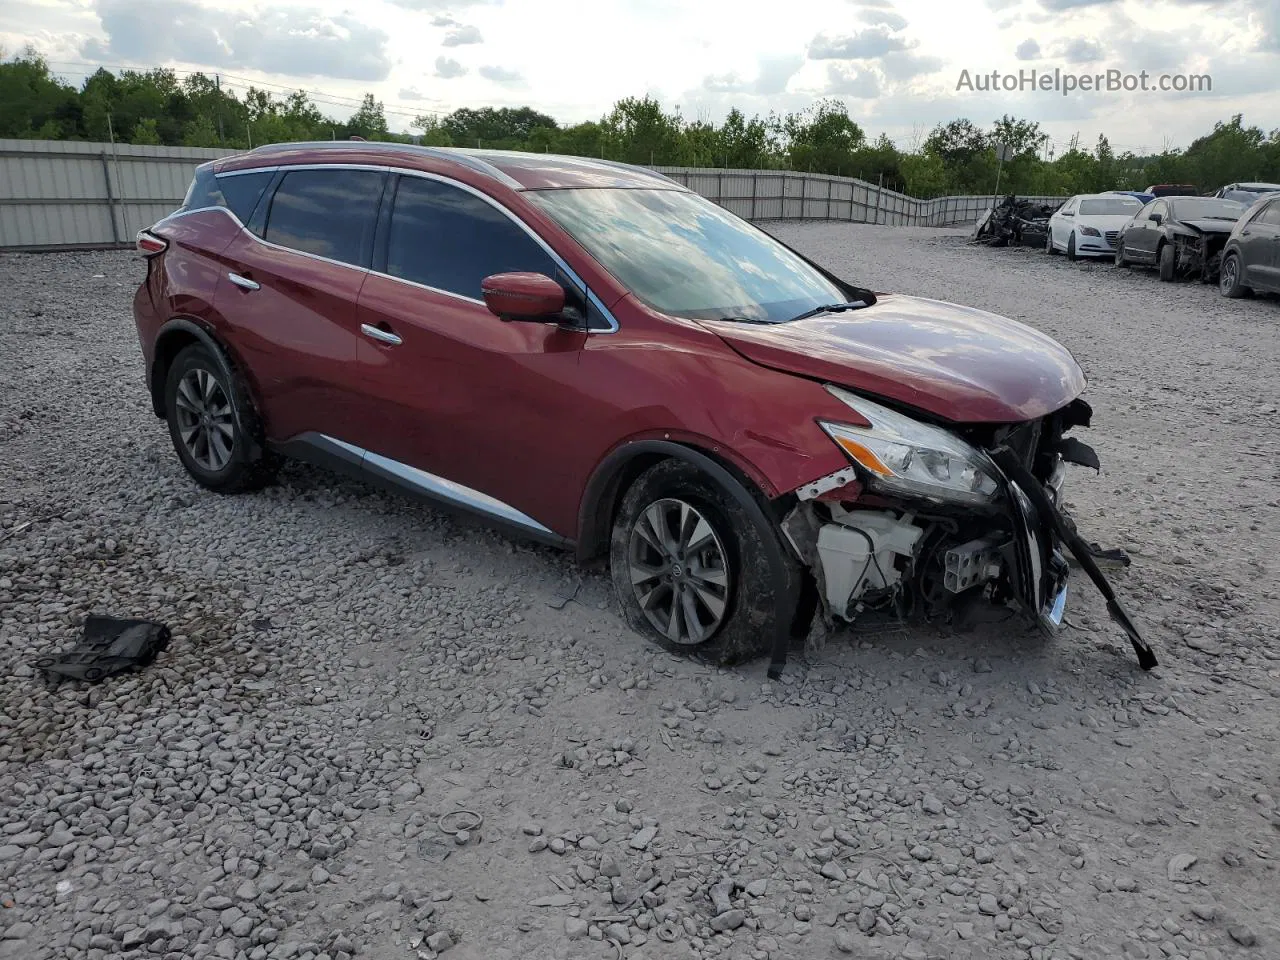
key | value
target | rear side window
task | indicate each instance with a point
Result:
(330, 213)
(1270, 213)
(242, 191)
(446, 238)
(239, 192)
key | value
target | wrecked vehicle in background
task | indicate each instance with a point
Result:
(1014, 222)
(1251, 257)
(1180, 236)
(594, 356)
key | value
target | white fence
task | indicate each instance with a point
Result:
(784, 195)
(58, 194)
(66, 194)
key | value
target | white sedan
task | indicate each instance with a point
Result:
(1089, 223)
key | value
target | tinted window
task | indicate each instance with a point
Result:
(241, 192)
(449, 239)
(330, 213)
(1119, 206)
(1161, 208)
(1206, 208)
(686, 256)
(1270, 214)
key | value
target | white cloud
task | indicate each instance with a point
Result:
(1081, 50)
(502, 75)
(461, 36)
(448, 69)
(1028, 50)
(844, 80)
(863, 45)
(301, 42)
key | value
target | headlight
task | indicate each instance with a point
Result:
(904, 456)
(1089, 232)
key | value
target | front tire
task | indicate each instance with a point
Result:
(1049, 248)
(1071, 246)
(1120, 260)
(205, 409)
(1168, 261)
(1231, 278)
(691, 569)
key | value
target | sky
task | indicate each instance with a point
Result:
(899, 65)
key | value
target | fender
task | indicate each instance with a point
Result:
(241, 403)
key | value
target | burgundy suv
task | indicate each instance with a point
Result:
(592, 355)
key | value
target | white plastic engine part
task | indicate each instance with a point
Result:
(857, 553)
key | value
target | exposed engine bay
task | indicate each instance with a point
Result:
(927, 558)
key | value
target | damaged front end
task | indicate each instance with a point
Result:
(928, 524)
(1198, 254)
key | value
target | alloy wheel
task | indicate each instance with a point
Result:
(205, 420)
(679, 571)
(1227, 277)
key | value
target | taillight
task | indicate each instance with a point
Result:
(149, 244)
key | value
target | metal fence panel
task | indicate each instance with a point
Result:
(57, 193)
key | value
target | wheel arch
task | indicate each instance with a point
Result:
(176, 335)
(617, 471)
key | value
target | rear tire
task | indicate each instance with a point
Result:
(691, 569)
(206, 408)
(1071, 246)
(1230, 278)
(1168, 262)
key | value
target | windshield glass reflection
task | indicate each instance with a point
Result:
(685, 256)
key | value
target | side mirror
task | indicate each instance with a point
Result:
(523, 296)
(1157, 218)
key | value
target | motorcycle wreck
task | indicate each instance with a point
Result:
(934, 523)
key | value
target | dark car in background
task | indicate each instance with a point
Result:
(1172, 190)
(1246, 193)
(597, 357)
(1251, 257)
(1181, 236)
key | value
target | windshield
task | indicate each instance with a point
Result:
(1110, 207)
(1206, 208)
(685, 256)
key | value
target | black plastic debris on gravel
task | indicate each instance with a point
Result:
(108, 646)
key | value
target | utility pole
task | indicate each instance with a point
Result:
(217, 82)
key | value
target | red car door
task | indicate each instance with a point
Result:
(289, 299)
(460, 402)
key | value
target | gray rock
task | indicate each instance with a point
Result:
(643, 838)
(729, 920)
(1242, 935)
(845, 942)
(440, 941)
(575, 928)
(988, 906)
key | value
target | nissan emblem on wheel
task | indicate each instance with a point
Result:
(590, 354)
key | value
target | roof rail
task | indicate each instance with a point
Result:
(452, 154)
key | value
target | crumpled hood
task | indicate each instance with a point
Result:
(1210, 226)
(957, 363)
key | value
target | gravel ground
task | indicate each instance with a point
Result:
(348, 667)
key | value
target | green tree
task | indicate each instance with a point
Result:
(823, 138)
(33, 103)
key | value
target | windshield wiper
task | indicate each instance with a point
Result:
(829, 308)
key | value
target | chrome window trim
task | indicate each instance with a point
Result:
(425, 175)
(247, 170)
